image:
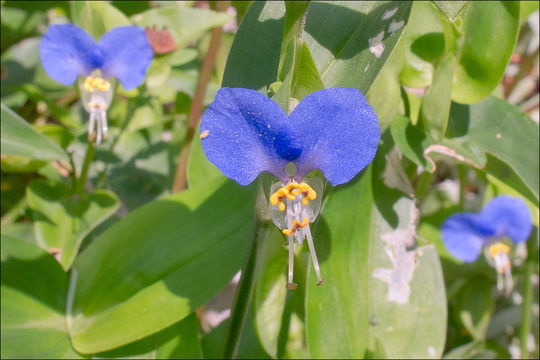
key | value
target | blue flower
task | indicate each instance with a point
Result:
(68, 52)
(466, 234)
(244, 133)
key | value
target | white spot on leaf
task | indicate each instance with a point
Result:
(375, 44)
(403, 261)
(431, 351)
(395, 26)
(389, 13)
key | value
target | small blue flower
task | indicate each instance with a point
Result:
(466, 234)
(244, 133)
(68, 52)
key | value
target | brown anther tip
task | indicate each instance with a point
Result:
(320, 282)
(105, 137)
(91, 137)
(292, 286)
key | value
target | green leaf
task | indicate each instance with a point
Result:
(62, 220)
(33, 303)
(501, 130)
(377, 294)
(490, 31)
(451, 8)
(160, 262)
(297, 72)
(98, 17)
(502, 175)
(159, 70)
(437, 98)
(19, 138)
(270, 291)
(351, 40)
(200, 169)
(184, 23)
(250, 67)
(478, 350)
(427, 37)
(475, 306)
(178, 341)
(384, 95)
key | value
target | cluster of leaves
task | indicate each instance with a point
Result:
(100, 259)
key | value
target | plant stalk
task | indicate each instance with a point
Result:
(527, 297)
(90, 153)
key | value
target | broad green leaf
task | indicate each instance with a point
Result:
(20, 164)
(34, 287)
(451, 8)
(200, 169)
(19, 138)
(418, 146)
(379, 297)
(475, 306)
(279, 314)
(503, 131)
(270, 291)
(175, 254)
(256, 67)
(184, 23)
(159, 70)
(384, 95)
(427, 37)
(302, 80)
(506, 179)
(351, 40)
(62, 220)
(478, 350)
(98, 17)
(437, 98)
(295, 60)
(490, 31)
(178, 341)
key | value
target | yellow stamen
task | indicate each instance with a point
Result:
(296, 225)
(91, 83)
(497, 248)
(290, 191)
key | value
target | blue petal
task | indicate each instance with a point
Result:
(464, 235)
(127, 54)
(67, 52)
(338, 132)
(245, 133)
(509, 216)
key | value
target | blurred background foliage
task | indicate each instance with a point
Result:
(133, 251)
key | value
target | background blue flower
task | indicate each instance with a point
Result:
(465, 234)
(67, 51)
(334, 130)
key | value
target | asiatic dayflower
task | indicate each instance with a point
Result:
(244, 133)
(466, 234)
(69, 53)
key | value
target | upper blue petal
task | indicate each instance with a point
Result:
(67, 52)
(245, 133)
(127, 54)
(464, 235)
(509, 216)
(338, 132)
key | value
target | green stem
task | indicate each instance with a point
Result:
(527, 297)
(90, 152)
(244, 291)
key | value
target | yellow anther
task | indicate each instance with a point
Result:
(91, 83)
(88, 83)
(296, 225)
(290, 191)
(497, 248)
